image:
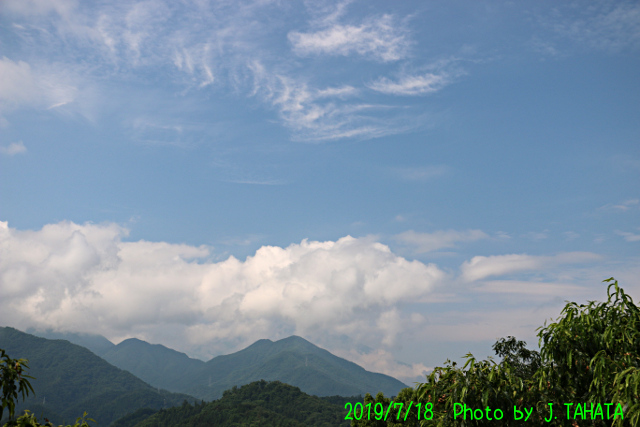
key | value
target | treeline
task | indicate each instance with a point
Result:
(260, 403)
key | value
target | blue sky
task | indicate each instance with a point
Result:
(398, 182)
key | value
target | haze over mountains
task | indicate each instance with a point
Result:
(292, 360)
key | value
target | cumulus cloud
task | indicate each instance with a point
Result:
(13, 149)
(86, 278)
(377, 38)
(480, 267)
(429, 242)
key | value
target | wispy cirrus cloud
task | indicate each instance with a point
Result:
(625, 206)
(39, 7)
(429, 242)
(324, 114)
(224, 47)
(629, 237)
(606, 25)
(411, 85)
(379, 39)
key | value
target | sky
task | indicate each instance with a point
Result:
(400, 183)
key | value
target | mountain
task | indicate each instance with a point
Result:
(70, 379)
(294, 361)
(96, 343)
(155, 364)
(260, 403)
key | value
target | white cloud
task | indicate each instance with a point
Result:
(342, 91)
(377, 38)
(17, 84)
(40, 7)
(412, 85)
(480, 267)
(606, 25)
(629, 237)
(544, 290)
(85, 278)
(503, 235)
(217, 46)
(429, 242)
(623, 207)
(13, 149)
(323, 114)
(383, 361)
(22, 86)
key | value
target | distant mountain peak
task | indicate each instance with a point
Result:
(295, 338)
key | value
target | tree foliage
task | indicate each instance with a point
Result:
(13, 381)
(260, 403)
(589, 355)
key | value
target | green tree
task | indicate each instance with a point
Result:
(15, 382)
(590, 355)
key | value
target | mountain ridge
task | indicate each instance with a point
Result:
(70, 379)
(292, 360)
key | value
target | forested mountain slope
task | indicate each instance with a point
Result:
(156, 364)
(70, 379)
(294, 361)
(94, 342)
(259, 403)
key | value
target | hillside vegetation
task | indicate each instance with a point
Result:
(69, 380)
(292, 360)
(260, 403)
